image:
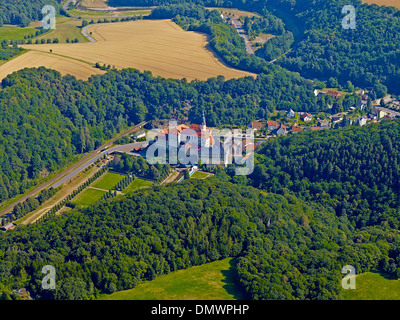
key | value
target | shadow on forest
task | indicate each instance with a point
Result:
(231, 285)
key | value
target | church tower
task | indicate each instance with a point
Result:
(204, 124)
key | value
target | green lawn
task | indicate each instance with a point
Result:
(211, 281)
(199, 175)
(15, 33)
(88, 197)
(137, 184)
(373, 286)
(108, 181)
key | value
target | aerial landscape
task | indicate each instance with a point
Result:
(199, 150)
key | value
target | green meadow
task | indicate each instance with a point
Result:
(137, 184)
(15, 33)
(88, 197)
(108, 181)
(211, 281)
(373, 286)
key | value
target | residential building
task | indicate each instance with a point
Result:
(281, 130)
(290, 114)
(8, 226)
(333, 93)
(361, 121)
(256, 125)
(138, 135)
(272, 125)
(306, 116)
(295, 128)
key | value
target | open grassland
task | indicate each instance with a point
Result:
(389, 3)
(35, 59)
(88, 197)
(234, 13)
(373, 286)
(159, 46)
(15, 33)
(137, 184)
(108, 181)
(211, 281)
(65, 28)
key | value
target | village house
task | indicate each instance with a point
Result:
(281, 130)
(290, 114)
(272, 125)
(333, 94)
(361, 121)
(324, 124)
(295, 128)
(306, 117)
(257, 125)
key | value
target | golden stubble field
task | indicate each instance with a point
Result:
(389, 3)
(159, 46)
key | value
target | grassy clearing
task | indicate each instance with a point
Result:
(159, 46)
(211, 281)
(388, 3)
(88, 197)
(108, 181)
(15, 33)
(137, 184)
(199, 175)
(66, 28)
(373, 286)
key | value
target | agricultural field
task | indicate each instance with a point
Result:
(111, 14)
(389, 3)
(373, 286)
(88, 197)
(211, 281)
(137, 184)
(98, 4)
(36, 59)
(15, 33)
(159, 46)
(108, 181)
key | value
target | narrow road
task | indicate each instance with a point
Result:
(242, 33)
(73, 168)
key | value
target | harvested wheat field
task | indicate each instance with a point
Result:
(35, 59)
(98, 4)
(389, 3)
(159, 46)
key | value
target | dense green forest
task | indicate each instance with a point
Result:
(45, 119)
(23, 12)
(354, 170)
(368, 55)
(287, 248)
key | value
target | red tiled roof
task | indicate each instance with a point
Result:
(272, 123)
